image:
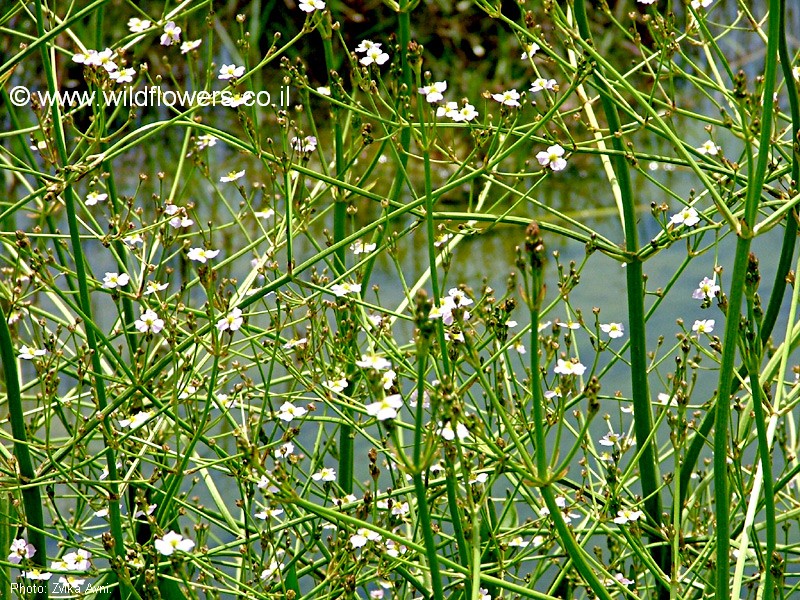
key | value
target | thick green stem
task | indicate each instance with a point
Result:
(643, 418)
(31, 498)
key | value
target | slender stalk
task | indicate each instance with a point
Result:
(643, 418)
(85, 303)
(31, 498)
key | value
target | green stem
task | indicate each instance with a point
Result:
(643, 418)
(31, 498)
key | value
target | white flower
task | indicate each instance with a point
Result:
(447, 432)
(479, 478)
(149, 322)
(232, 176)
(20, 549)
(367, 45)
(646, 1)
(308, 144)
(707, 288)
(626, 516)
(284, 450)
(703, 326)
(171, 541)
(237, 99)
(611, 439)
(94, 197)
(293, 343)
(483, 594)
(434, 92)
(614, 330)
(362, 536)
(325, 474)
(518, 542)
(105, 59)
(385, 409)
(508, 98)
(362, 248)
(137, 25)
(205, 140)
(342, 289)
(686, 216)
(372, 361)
(567, 367)
(230, 72)
(540, 83)
(187, 47)
(180, 222)
(264, 214)
(269, 513)
(115, 280)
(701, 4)
(85, 58)
(201, 255)
(466, 113)
(387, 378)
(269, 572)
(520, 347)
(796, 73)
(289, 411)
(310, 6)
(133, 240)
(28, 353)
(374, 55)
(324, 90)
(151, 287)
(123, 76)
(336, 385)
(709, 147)
(137, 420)
(552, 157)
(530, 50)
(171, 35)
(37, 575)
(619, 577)
(70, 582)
(232, 321)
(77, 561)
(449, 110)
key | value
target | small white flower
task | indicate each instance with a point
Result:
(294, 343)
(479, 478)
(614, 330)
(201, 255)
(530, 50)
(646, 1)
(336, 385)
(709, 147)
(627, 516)
(701, 4)
(149, 322)
(371, 361)
(115, 280)
(362, 248)
(264, 214)
(686, 216)
(19, 550)
(567, 367)
(385, 409)
(94, 197)
(171, 35)
(796, 73)
(180, 222)
(137, 420)
(232, 176)
(205, 140)
(508, 98)
(518, 542)
(540, 83)
(232, 321)
(483, 594)
(85, 58)
(324, 90)
(466, 113)
(284, 450)
(307, 145)
(387, 378)
(362, 536)
(325, 474)
(28, 353)
(123, 76)
(105, 59)
(706, 289)
(342, 289)
(374, 55)
(289, 411)
(367, 45)
(703, 326)
(552, 157)
(230, 72)
(611, 439)
(187, 47)
(447, 432)
(137, 25)
(37, 575)
(269, 572)
(520, 347)
(310, 6)
(434, 92)
(171, 542)
(151, 287)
